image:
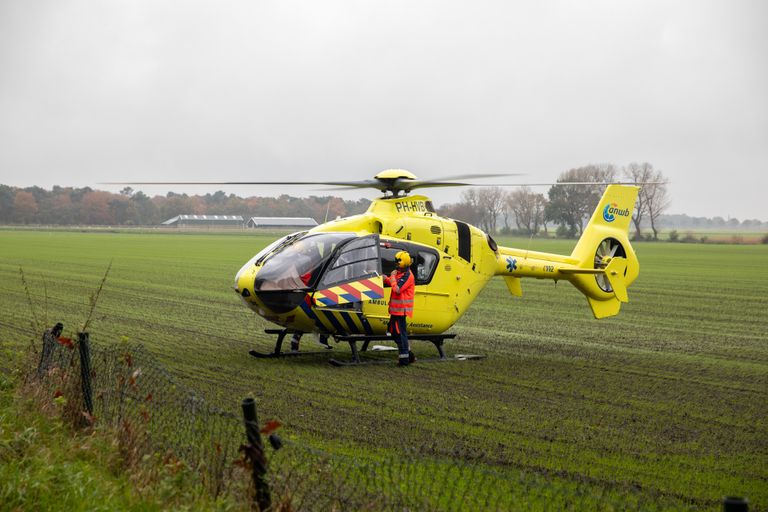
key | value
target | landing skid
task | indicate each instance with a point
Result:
(457, 357)
(278, 352)
(436, 339)
(272, 355)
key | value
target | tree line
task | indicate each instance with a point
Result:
(85, 206)
(568, 207)
(565, 208)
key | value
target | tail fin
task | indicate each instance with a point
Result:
(604, 245)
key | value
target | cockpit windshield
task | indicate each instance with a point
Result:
(265, 252)
(298, 264)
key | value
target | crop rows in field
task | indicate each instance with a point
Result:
(665, 402)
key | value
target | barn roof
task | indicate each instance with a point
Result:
(204, 218)
(281, 221)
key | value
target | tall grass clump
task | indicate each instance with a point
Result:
(46, 464)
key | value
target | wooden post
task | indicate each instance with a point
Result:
(45, 356)
(255, 452)
(735, 504)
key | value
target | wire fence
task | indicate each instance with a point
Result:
(124, 387)
(313, 480)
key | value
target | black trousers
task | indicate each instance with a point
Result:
(399, 332)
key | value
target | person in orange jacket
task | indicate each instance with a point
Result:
(401, 305)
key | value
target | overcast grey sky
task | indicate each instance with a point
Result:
(94, 91)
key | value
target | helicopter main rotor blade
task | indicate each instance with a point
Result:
(409, 185)
(395, 185)
(448, 181)
(580, 183)
(470, 176)
(354, 184)
(360, 184)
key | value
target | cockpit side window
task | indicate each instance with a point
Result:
(425, 266)
(388, 259)
(357, 259)
(424, 261)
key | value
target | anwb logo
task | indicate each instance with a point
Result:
(611, 210)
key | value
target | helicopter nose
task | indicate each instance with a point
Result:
(244, 282)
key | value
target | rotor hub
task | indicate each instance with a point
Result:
(395, 181)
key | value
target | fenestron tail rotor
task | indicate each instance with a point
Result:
(606, 250)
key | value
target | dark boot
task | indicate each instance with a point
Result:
(411, 357)
(295, 342)
(323, 340)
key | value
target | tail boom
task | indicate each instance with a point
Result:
(601, 266)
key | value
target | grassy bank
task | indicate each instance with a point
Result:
(45, 465)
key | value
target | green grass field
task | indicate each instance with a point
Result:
(664, 406)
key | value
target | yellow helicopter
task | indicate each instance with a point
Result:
(328, 280)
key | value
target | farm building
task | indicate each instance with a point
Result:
(197, 221)
(281, 222)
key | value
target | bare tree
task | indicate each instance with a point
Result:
(571, 205)
(471, 205)
(467, 210)
(657, 199)
(639, 173)
(539, 213)
(527, 209)
(490, 202)
(507, 212)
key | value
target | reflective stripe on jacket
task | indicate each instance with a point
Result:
(403, 287)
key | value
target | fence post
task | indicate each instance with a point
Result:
(735, 504)
(49, 341)
(255, 452)
(83, 346)
(45, 356)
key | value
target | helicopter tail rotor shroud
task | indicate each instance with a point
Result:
(601, 266)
